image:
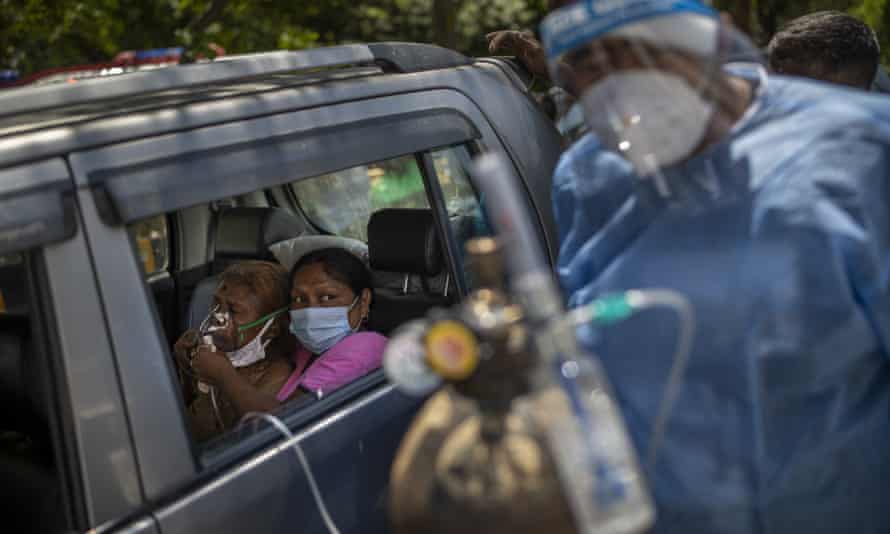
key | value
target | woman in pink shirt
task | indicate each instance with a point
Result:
(330, 301)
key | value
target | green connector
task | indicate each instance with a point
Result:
(611, 309)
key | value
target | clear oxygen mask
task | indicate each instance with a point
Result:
(216, 321)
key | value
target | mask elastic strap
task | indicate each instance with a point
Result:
(268, 317)
(351, 306)
(263, 331)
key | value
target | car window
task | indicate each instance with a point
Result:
(342, 202)
(465, 213)
(339, 203)
(211, 415)
(151, 238)
(451, 165)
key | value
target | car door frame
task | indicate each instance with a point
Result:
(189, 497)
(94, 461)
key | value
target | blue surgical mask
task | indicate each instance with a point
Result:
(320, 328)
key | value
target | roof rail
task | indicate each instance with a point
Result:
(398, 57)
(415, 57)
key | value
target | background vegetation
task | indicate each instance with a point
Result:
(761, 18)
(41, 34)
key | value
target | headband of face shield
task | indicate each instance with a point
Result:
(648, 73)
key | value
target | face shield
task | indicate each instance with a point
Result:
(648, 74)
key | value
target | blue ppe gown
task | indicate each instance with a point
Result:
(780, 237)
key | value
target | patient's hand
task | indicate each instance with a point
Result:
(183, 347)
(211, 366)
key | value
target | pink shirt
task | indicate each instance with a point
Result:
(355, 356)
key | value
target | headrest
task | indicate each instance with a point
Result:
(289, 252)
(201, 301)
(404, 241)
(246, 233)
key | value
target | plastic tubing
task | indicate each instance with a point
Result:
(665, 298)
(301, 457)
(613, 308)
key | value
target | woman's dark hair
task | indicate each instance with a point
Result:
(340, 265)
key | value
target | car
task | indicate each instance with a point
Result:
(126, 61)
(122, 198)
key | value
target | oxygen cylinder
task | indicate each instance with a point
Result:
(474, 460)
(525, 435)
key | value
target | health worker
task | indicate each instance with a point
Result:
(765, 201)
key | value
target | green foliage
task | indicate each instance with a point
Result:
(877, 15)
(50, 33)
(44, 34)
(767, 16)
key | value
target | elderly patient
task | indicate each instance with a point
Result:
(250, 358)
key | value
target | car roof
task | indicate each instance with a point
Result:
(28, 108)
(41, 127)
(29, 101)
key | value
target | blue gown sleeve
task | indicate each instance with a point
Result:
(590, 186)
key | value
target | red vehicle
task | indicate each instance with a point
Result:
(127, 61)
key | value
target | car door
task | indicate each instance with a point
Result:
(251, 480)
(57, 352)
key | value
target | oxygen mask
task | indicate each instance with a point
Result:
(217, 329)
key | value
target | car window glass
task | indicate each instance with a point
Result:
(342, 202)
(152, 242)
(465, 212)
(26, 444)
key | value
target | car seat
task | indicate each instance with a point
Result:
(403, 244)
(240, 234)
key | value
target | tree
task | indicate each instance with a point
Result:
(43, 34)
(40, 34)
(763, 18)
(877, 15)
(445, 22)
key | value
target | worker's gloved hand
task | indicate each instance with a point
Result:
(524, 46)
